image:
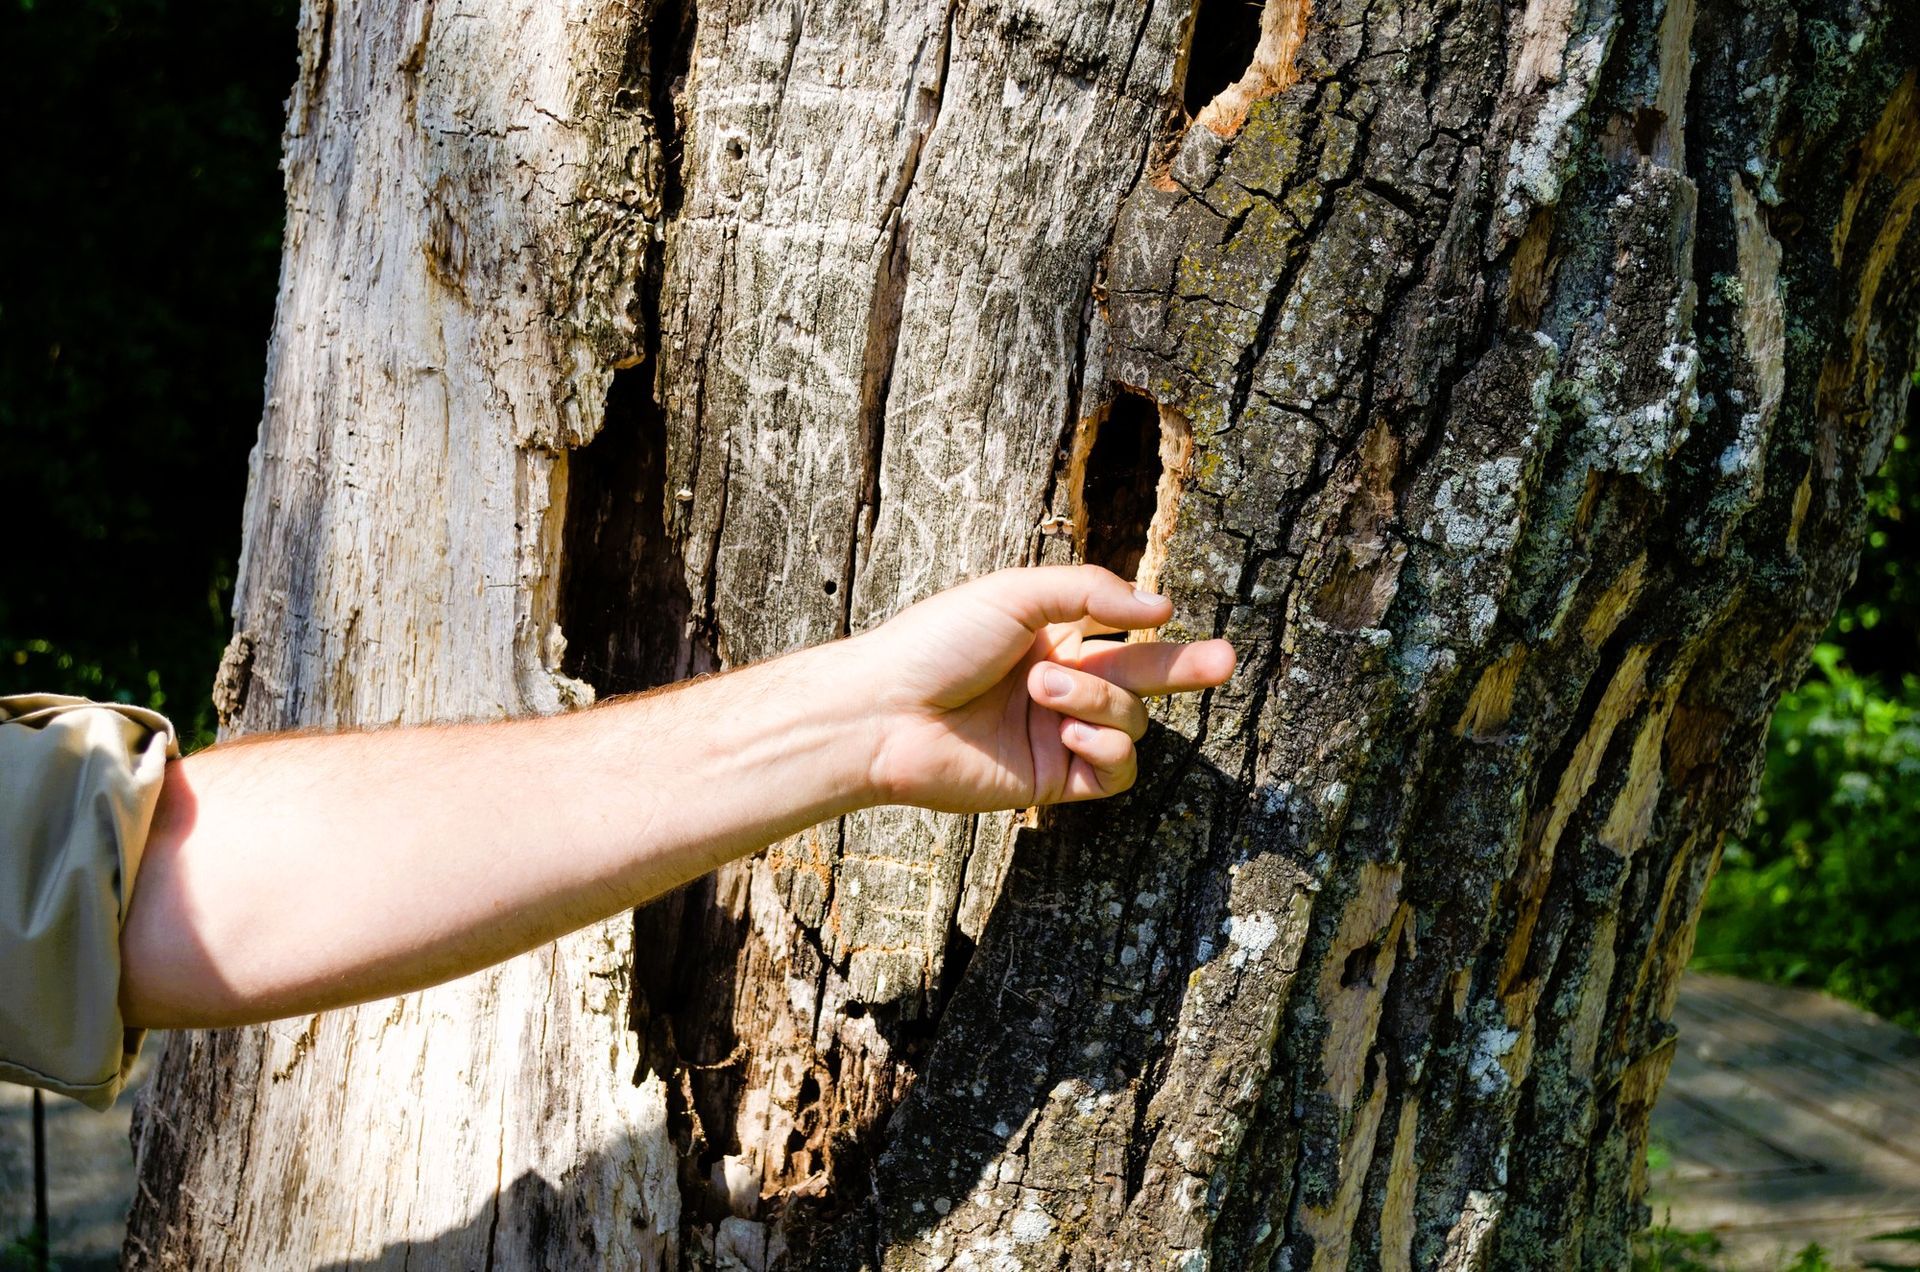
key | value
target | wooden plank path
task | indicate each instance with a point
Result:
(89, 1167)
(1790, 1118)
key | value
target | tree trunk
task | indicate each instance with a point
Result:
(1501, 382)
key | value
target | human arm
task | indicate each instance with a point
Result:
(292, 874)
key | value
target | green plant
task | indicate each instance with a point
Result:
(1879, 621)
(1664, 1248)
(1824, 890)
(1811, 1258)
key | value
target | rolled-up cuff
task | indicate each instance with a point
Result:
(79, 782)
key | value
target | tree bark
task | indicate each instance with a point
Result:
(1500, 380)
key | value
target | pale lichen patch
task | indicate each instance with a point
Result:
(1250, 935)
(1487, 1062)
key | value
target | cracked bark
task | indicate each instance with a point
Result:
(1516, 373)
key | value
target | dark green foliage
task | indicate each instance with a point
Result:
(139, 240)
(1824, 889)
(1666, 1249)
(1879, 621)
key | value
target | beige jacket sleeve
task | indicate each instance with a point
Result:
(78, 785)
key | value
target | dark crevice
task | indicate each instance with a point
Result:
(706, 620)
(325, 53)
(624, 602)
(493, 1226)
(876, 378)
(1400, 199)
(1647, 123)
(1358, 969)
(954, 961)
(1076, 389)
(627, 612)
(672, 57)
(1140, 1140)
(1121, 484)
(1225, 35)
(653, 76)
(682, 1014)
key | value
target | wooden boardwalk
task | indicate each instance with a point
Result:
(89, 1168)
(1790, 1118)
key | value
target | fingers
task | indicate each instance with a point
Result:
(1093, 627)
(1150, 668)
(1103, 761)
(1069, 593)
(1086, 697)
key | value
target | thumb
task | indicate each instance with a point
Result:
(1068, 593)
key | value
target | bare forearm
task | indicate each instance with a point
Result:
(290, 875)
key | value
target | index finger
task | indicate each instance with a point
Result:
(1154, 667)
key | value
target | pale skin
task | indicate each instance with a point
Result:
(289, 875)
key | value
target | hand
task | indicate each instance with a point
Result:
(992, 696)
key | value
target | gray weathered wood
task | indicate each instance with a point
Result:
(1502, 382)
(1788, 1120)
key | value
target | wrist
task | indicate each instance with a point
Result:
(810, 721)
(842, 679)
(774, 747)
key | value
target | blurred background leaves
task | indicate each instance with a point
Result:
(139, 245)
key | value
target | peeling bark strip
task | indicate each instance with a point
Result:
(1501, 380)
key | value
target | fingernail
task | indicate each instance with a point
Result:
(1147, 598)
(1058, 684)
(1080, 730)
